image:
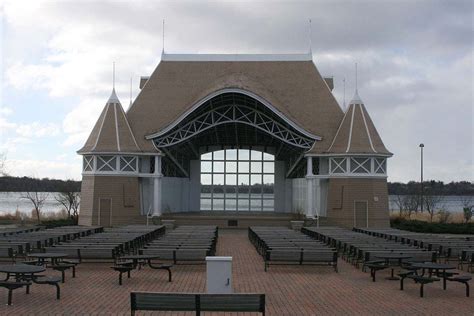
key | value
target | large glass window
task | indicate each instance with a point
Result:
(237, 180)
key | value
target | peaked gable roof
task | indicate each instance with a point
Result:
(112, 132)
(357, 133)
(294, 87)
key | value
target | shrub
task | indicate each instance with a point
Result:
(435, 228)
(58, 222)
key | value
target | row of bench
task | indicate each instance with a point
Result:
(449, 247)
(358, 248)
(184, 244)
(285, 246)
(23, 242)
(109, 244)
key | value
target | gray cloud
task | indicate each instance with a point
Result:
(415, 58)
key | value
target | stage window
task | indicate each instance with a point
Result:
(237, 180)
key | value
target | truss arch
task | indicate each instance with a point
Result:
(233, 106)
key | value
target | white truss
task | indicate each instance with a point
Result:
(234, 113)
(88, 164)
(128, 163)
(106, 163)
(358, 165)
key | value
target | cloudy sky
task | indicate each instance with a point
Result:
(415, 68)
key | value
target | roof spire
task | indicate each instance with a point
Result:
(344, 93)
(113, 97)
(356, 76)
(310, 40)
(163, 38)
(131, 90)
(356, 99)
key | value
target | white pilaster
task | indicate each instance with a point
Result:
(317, 204)
(157, 187)
(310, 192)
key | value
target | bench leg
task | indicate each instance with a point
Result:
(169, 274)
(10, 292)
(58, 291)
(63, 276)
(128, 274)
(444, 282)
(73, 271)
(401, 283)
(421, 290)
(467, 289)
(120, 278)
(27, 289)
(372, 273)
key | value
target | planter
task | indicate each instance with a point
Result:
(296, 225)
(168, 223)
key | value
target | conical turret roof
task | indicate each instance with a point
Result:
(112, 132)
(357, 133)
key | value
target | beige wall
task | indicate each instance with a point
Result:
(342, 194)
(124, 193)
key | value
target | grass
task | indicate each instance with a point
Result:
(49, 219)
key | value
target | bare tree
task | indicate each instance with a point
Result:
(399, 201)
(37, 199)
(410, 204)
(432, 203)
(70, 200)
(3, 167)
(468, 207)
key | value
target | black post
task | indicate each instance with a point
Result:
(421, 193)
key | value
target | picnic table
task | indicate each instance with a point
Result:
(21, 271)
(435, 267)
(54, 256)
(136, 258)
(394, 256)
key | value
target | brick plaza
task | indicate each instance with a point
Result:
(290, 290)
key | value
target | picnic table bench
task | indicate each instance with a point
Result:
(197, 302)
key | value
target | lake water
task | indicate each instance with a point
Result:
(12, 201)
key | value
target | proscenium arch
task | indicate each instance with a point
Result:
(273, 122)
(239, 91)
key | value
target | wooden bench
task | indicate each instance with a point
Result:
(422, 281)
(197, 302)
(300, 257)
(10, 286)
(50, 281)
(461, 279)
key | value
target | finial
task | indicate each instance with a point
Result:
(356, 75)
(113, 75)
(131, 90)
(310, 40)
(163, 48)
(344, 93)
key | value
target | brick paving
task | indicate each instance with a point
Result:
(290, 290)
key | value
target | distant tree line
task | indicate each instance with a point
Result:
(431, 188)
(27, 184)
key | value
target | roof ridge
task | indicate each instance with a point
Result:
(101, 125)
(116, 126)
(350, 130)
(367, 128)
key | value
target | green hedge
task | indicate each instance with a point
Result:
(58, 222)
(435, 228)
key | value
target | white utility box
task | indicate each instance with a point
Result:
(219, 275)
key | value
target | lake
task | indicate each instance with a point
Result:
(12, 201)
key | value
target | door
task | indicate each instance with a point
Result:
(361, 216)
(105, 212)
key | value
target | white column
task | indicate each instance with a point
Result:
(310, 191)
(157, 187)
(317, 204)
